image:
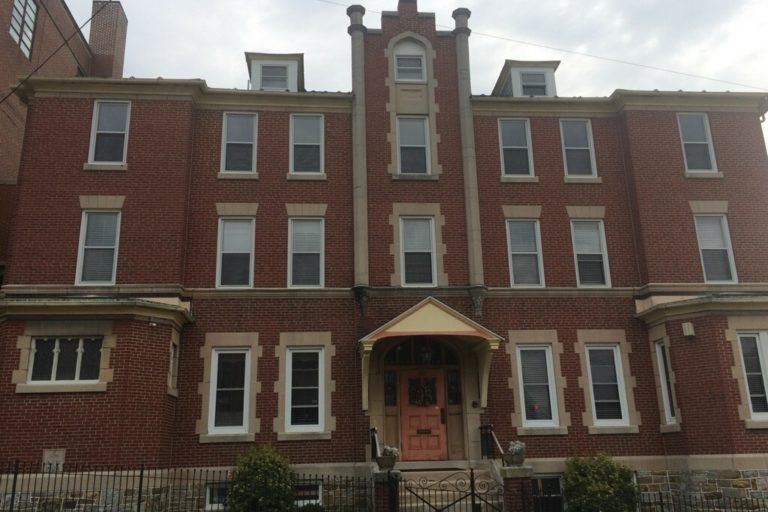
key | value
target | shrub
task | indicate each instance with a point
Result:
(599, 484)
(262, 482)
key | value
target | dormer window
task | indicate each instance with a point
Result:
(410, 62)
(534, 84)
(274, 77)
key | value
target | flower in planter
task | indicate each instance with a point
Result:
(390, 451)
(517, 448)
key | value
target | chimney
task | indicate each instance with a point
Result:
(407, 7)
(107, 40)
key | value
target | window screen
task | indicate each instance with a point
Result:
(715, 247)
(306, 252)
(412, 135)
(99, 249)
(605, 384)
(515, 148)
(577, 145)
(417, 251)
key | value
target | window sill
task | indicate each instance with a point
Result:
(233, 175)
(227, 438)
(317, 176)
(303, 436)
(630, 429)
(99, 387)
(519, 179)
(415, 177)
(585, 179)
(704, 174)
(542, 431)
(105, 167)
(173, 392)
(756, 424)
(672, 427)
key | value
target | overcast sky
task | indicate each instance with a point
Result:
(717, 38)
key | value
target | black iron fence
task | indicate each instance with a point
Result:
(460, 491)
(86, 489)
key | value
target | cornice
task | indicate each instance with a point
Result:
(733, 304)
(194, 90)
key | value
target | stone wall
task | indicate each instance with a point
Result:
(706, 484)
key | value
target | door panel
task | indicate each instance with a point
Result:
(422, 415)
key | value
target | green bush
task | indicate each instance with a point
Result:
(262, 482)
(599, 484)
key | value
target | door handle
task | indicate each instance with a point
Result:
(443, 418)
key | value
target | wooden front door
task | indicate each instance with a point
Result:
(422, 415)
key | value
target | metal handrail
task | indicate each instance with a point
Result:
(375, 445)
(489, 441)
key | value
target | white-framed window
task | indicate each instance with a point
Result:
(173, 366)
(516, 152)
(109, 132)
(525, 260)
(307, 491)
(538, 394)
(229, 400)
(590, 253)
(57, 360)
(578, 147)
(307, 143)
(413, 145)
(216, 496)
(754, 353)
(22, 27)
(417, 239)
(665, 375)
(235, 252)
(99, 241)
(715, 248)
(533, 83)
(238, 144)
(274, 77)
(305, 389)
(606, 384)
(696, 138)
(306, 252)
(410, 62)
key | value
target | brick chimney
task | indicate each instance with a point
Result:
(107, 40)
(407, 7)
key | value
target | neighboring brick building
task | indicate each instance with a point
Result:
(195, 270)
(31, 32)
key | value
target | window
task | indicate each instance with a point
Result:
(235, 265)
(537, 389)
(525, 265)
(662, 361)
(109, 135)
(578, 151)
(754, 350)
(534, 84)
(590, 253)
(418, 251)
(57, 360)
(715, 247)
(216, 496)
(230, 390)
(305, 252)
(305, 395)
(308, 492)
(698, 151)
(307, 144)
(607, 385)
(97, 255)
(413, 137)
(547, 493)
(173, 366)
(239, 151)
(22, 27)
(516, 155)
(274, 77)
(410, 68)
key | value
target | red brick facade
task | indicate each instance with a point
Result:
(166, 267)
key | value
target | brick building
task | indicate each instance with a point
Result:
(195, 270)
(32, 31)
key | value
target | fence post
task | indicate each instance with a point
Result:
(385, 491)
(475, 506)
(13, 487)
(517, 488)
(141, 483)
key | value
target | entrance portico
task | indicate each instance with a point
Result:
(425, 380)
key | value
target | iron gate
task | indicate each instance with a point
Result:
(458, 492)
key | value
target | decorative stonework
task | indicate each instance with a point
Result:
(705, 484)
(418, 210)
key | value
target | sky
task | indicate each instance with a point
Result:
(206, 39)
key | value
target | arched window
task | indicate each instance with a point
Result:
(410, 62)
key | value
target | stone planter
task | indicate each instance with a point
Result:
(386, 462)
(513, 459)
